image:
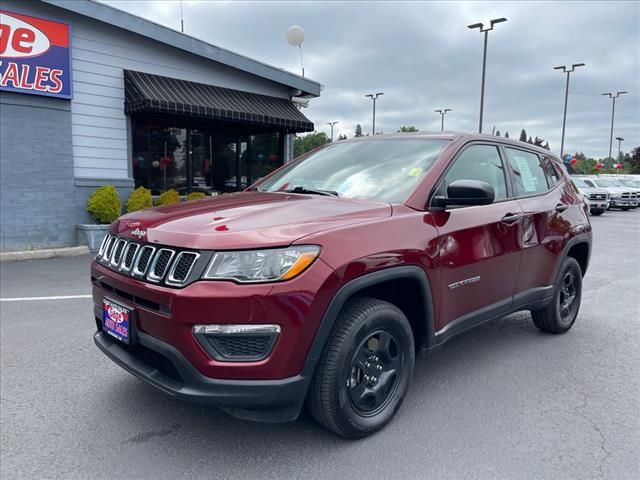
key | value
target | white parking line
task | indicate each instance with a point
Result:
(58, 297)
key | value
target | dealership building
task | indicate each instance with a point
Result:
(91, 96)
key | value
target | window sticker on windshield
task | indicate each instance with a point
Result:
(415, 172)
(528, 182)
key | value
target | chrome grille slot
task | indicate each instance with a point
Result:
(160, 264)
(182, 267)
(105, 240)
(117, 252)
(128, 256)
(109, 249)
(142, 262)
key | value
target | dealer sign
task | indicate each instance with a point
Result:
(35, 55)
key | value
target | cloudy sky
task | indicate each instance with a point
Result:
(422, 56)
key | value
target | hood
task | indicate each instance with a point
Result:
(245, 220)
(593, 190)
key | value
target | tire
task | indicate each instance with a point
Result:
(625, 208)
(596, 211)
(349, 363)
(560, 315)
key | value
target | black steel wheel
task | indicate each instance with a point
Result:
(560, 314)
(365, 369)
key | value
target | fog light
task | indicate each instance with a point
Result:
(237, 342)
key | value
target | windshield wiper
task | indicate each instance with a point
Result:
(312, 191)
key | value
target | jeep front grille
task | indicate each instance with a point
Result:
(147, 262)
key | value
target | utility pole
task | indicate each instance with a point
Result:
(442, 113)
(374, 97)
(486, 31)
(613, 112)
(566, 99)
(331, 124)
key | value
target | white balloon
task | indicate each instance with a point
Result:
(295, 35)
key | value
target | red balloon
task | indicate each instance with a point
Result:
(573, 161)
(598, 165)
(273, 157)
(618, 166)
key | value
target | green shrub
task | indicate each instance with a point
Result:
(104, 204)
(139, 199)
(196, 195)
(168, 198)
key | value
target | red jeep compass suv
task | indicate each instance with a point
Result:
(321, 281)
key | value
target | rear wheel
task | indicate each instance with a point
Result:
(625, 208)
(560, 315)
(365, 370)
(596, 211)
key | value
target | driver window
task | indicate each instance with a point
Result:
(479, 162)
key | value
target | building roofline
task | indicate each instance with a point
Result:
(127, 21)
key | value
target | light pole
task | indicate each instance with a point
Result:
(484, 58)
(374, 96)
(620, 140)
(331, 124)
(442, 113)
(566, 99)
(613, 112)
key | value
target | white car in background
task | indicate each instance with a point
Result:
(598, 198)
(621, 197)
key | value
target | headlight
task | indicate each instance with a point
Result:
(261, 265)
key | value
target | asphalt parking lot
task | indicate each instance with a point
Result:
(501, 401)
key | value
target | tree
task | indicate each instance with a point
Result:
(342, 137)
(523, 135)
(530, 140)
(506, 134)
(404, 129)
(497, 133)
(546, 146)
(358, 131)
(309, 142)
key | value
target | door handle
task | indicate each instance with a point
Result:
(511, 218)
(561, 207)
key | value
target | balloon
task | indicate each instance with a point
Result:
(573, 161)
(260, 156)
(155, 164)
(598, 165)
(295, 35)
(273, 157)
(568, 157)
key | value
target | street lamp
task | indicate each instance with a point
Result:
(620, 140)
(566, 99)
(374, 96)
(486, 31)
(442, 113)
(613, 112)
(331, 124)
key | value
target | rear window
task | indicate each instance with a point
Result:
(530, 178)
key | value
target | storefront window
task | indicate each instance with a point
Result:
(159, 157)
(167, 157)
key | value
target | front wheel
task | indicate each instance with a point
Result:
(365, 369)
(596, 211)
(560, 315)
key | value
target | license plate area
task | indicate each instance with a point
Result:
(117, 320)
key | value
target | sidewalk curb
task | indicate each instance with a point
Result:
(43, 253)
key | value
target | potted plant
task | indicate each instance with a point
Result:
(104, 206)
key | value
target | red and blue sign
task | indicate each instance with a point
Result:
(35, 55)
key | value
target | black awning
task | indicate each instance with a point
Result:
(156, 94)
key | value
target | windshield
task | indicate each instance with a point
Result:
(386, 170)
(579, 182)
(629, 183)
(604, 183)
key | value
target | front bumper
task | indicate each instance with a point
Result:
(598, 204)
(619, 203)
(164, 367)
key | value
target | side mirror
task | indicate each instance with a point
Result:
(469, 192)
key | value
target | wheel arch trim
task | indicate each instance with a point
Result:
(351, 288)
